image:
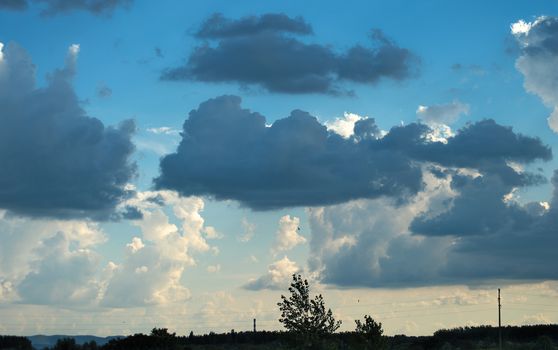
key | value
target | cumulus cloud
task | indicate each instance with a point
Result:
(292, 163)
(257, 51)
(57, 262)
(297, 162)
(57, 161)
(54, 7)
(62, 275)
(345, 126)
(277, 277)
(506, 240)
(442, 113)
(49, 261)
(538, 60)
(367, 242)
(135, 245)
(154, 264)
(459, 229)
(288, 236)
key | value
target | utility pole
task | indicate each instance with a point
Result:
(499, 322)
(254, 325)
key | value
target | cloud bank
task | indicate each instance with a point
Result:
(58, 262)
(462, 229)
(228, 152)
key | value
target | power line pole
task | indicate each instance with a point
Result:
(499, 322)
(254, 325)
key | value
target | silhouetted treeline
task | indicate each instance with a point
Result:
(541, 337)
(13, 342)
(509, 333)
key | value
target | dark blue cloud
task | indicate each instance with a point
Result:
(472, 237)
(54, 7)
(479, 208)
(14, 5)
(257, 51)
(217, 26)
(56, 161)
(229, 153)
(521, 245)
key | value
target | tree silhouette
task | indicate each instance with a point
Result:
(303, 316)
(162, 332)
(66, 344)
(371, 333)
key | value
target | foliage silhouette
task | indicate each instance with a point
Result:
(66, 344)
(371, 333)
(162, 332)
(304, 317)
(14, 342)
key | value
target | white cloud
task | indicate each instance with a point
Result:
(538, 61)
(166, 130)
(151, 275)
(142, 269)
(61, 274)
(278, 276)
(212, 233)
(439, 133)
(154, 264)
(249, 229)
(189, 211)
(74, 49)
(7, 292)
(521, 27)
(287, 236)
(442, 113)
(344, 126)
(159, 140)
(159, 148)
(214, 268)
(135, 245)
(71, 61)
(22, 240)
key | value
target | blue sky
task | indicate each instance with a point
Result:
(433, 204)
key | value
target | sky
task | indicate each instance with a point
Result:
(173, 164)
